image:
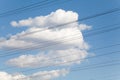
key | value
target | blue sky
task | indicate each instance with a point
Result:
(83, 8)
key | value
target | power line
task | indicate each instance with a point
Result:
(98, 66)
(82, 19)
(71, 61)
(97, 15)
(95, 66)
(108, 76)
(28, 7)
(62, 38)
(22, 8)
(100, 48)
(102, 31)
(87, 35)
(77, 34)
(95, 49)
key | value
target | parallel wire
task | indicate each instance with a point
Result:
(87, 35)
(40, 4)
(89, 17)
(110, 30)
(61, 38)
(21, 8)
(101, 31)
(95, 66)
(79, 68)
(109, 76)
(95, 49)
(82, 19)
(71, 61)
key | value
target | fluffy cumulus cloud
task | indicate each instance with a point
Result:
(65, 35)
(63, 38)
(63, 45)
(42, 75)
(55, 18)
(58, 57)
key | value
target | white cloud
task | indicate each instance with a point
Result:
(6, 76)
(43, 75)
(48, 75)
(69, 38)
(58, 57)
(65, 36)
(58, 17)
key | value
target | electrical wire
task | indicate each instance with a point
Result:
(96, 56)
(40, 4)
(93, 17)
(99, 33)
(87, 35)
(82, 19)
(31, 47)
(95, 66)
(95, 49)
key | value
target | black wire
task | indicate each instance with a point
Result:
(96, 65)
(112, 64)
(40, 4)
(62, 38)
(70, 61)
(101, 65)
(74, 54)
(102, 31)
(82, 19)
(49, 45)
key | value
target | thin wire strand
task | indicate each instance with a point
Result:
(70, 61)
(57, 39)
(100, 48)
(40, 4)
(82, 19)
(87, 35)
(95, 66)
